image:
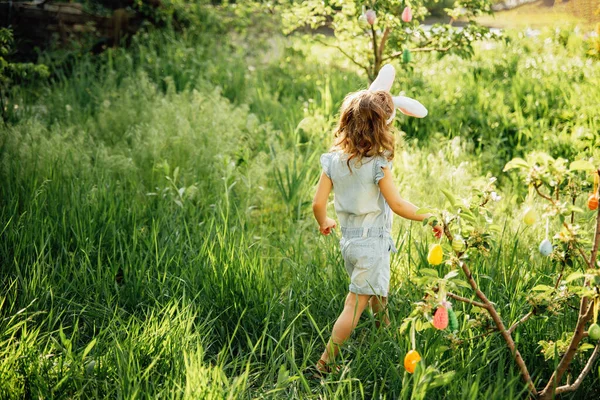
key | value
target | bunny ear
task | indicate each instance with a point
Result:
(385, 79)
(410, 106)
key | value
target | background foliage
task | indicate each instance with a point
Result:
(155, 224)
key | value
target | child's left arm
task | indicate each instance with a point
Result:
(319, 205)
(401, 206)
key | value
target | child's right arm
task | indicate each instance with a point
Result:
(398, 205)
(319, 205)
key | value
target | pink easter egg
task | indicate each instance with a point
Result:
(407, 14)
(440, 318)
(371, 16)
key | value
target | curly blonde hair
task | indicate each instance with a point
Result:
(362, 130)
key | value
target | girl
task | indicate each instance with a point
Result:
(359, 168)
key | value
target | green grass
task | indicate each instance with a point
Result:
(176, 167)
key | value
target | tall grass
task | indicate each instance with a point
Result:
(157, 240)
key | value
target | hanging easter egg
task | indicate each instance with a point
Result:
(594, 332)
(407, 14)
(452, 320)
(458, 244)
(371, 16)
(362, 21)
(593, 201)
(440, 318)
(406, 56)
(436, 254)
(411, 360)
(546, 247)
(529, 216)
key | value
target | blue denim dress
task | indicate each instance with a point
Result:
(365, 219)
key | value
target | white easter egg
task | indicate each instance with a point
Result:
(545, 247)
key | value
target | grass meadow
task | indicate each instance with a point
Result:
(157, 239)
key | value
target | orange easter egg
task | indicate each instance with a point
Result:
(440, 318)
(411, 360)
(593, 201)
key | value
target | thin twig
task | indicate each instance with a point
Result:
(465, 300)
(344, 53)
(542, 195)
(416, 50)
(525, 318)
(424, 49)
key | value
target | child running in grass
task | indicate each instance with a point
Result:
(358, 169)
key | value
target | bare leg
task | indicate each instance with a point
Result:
(343, 327)
(380, 310)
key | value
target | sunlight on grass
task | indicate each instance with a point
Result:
(539, 15)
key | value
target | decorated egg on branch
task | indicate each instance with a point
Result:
(458, 244)
(593, 201)
(529, 216)
(452, 320)
(594, 332)
(407, 14)
(371, 16)
(545, 247)
(440, 318)
(411, 360)
(362, 21)
(436, 254)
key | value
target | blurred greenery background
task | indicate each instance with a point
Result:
(156, 234)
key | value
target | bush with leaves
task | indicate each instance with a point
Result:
(470, 229)
(13, 73)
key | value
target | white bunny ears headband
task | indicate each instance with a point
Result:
(406, 105)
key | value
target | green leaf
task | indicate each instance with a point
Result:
(461, 283)
(468, 216)
(542, 288)
(573, 276)
(495, 228)
(429, 272)
(586, 347)
(574, 209)
(450, 198)
(516, 163)
(451, 274)
(88, 348)
(582, 165)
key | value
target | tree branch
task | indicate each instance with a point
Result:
(542, 195)
(384, 39)
(497, 320)
(344, 53)
(465, 300)
(377, 62)
(588, 366)
(585, 313)
(425, 49)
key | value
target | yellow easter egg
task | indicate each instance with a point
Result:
(436, 254)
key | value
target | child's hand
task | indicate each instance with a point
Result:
(437, 231)
(327, 226)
